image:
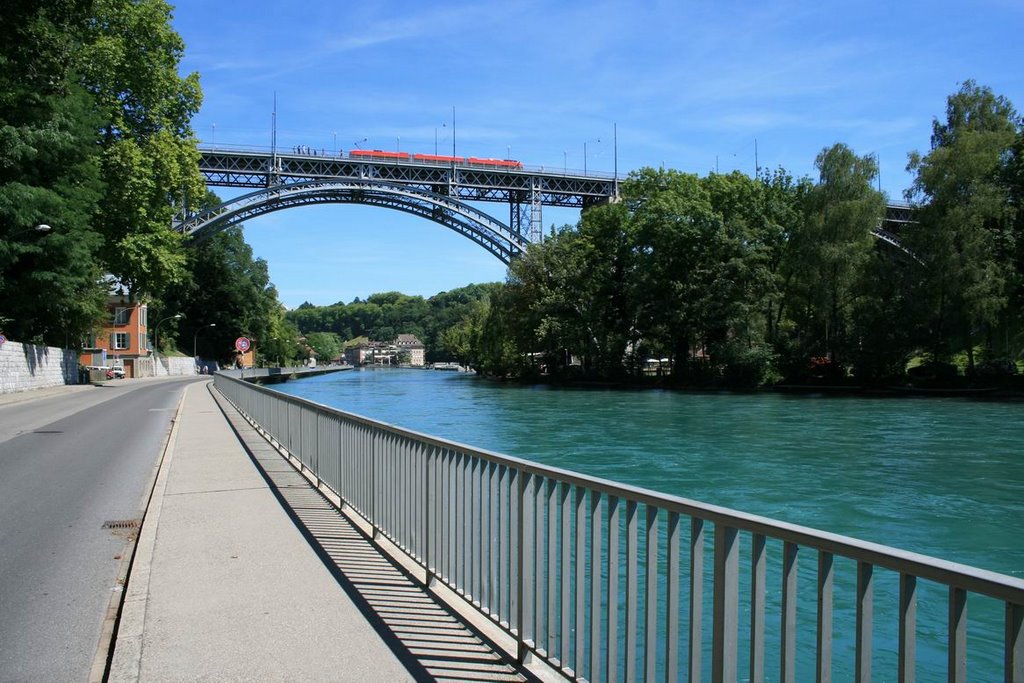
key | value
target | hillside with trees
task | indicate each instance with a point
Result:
(383, 316)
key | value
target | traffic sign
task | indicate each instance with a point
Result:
(3, 340)
(242, 344)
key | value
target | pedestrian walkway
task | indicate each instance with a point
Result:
(245, 572)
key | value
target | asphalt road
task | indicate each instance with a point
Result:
(69, 463)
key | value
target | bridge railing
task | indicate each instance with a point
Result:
(341, 155)
(606, 581)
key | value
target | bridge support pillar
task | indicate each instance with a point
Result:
(526, 216)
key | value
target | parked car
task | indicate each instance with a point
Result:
(116, 372)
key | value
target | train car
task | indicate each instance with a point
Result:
(378, 154)
(439, 158)
(499, 163)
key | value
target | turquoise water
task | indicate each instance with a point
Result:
(942, 477)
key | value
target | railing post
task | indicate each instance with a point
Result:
(865, 612)
(825, 585)
(672, 599)
(757, 593)
(612, 644)
(696, 597)
(908, 624)
(1014, 643)
(787, 646)
(957, 648)
(726, 604)
(520, 564)
(428, 517)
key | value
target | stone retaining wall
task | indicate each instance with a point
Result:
(165, 366)
(25, 366)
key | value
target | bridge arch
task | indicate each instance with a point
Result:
(490, 233)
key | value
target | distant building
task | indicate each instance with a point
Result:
(387, 353)
(410, 343)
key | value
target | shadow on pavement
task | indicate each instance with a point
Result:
(430, 641)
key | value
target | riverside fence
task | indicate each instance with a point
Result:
(605, 581)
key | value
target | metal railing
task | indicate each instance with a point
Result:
(606, 581)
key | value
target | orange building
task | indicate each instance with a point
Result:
(123, 337)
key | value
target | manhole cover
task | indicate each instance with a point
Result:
(122, 524)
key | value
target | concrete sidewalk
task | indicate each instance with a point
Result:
(229, 583)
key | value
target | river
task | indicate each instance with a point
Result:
(939, 476)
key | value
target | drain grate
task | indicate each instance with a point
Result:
(122, 524)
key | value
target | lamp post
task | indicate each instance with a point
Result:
(156, 332)
(196, 336)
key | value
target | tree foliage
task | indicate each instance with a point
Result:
(150, 161)
(50, 289)
(966, 235)
(230, 288)
(731, 280)
(94, 142)
(383, 316)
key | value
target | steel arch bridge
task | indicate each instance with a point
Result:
(492, 235)
(437, 191)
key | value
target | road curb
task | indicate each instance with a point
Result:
(129, 617)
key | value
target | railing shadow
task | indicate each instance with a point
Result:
(431, 642)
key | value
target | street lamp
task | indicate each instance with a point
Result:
(156, 332)
(42, 228)
(196, 336)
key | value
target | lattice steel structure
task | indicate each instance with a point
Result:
(525, 190)
(434, 190)
(491, 234)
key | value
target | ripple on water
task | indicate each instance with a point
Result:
(939, 476)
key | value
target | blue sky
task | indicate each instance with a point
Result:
(689, 85)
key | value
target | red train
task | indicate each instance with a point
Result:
(433, 158)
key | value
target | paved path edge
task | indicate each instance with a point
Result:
(126, 660)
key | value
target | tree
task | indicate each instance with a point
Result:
(831, 249)
(50, 286)
(965, 234)
(229, 287)
(150, 162)
(325, 345)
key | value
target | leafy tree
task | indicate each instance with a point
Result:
(150, 163)
(229, 287)
(831, 249)
(325, 345)
(965, 235)
(50, 286)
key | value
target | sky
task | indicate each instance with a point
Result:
(693, 86)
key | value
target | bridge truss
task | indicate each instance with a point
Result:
(438, 191)
(492, 235)
(525, 191)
